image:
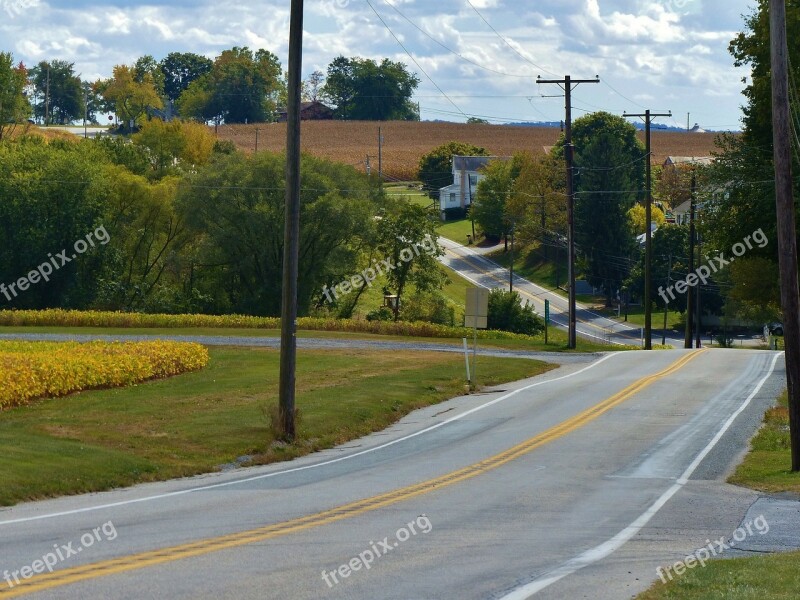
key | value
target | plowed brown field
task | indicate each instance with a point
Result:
(405, 142)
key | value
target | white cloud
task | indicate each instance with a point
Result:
(663, 51)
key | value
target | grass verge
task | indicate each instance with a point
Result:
(458, 231)
(767, 467)
(196, 422)
(775, 577)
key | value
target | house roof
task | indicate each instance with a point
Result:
(689, 160)
(682, 209)
(474, 163)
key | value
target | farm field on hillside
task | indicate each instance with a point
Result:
(405, 142)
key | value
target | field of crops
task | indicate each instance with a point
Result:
(405, 142)
(75, 318)
(31, 370)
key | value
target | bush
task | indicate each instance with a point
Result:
(430, 307)
(384, 313)
(507, 313)
(455, 214)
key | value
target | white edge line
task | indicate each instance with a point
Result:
(307, 467)
(610, 546)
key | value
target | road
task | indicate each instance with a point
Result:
(474, 267)
(576, 484)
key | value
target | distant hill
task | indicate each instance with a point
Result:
(405, 142)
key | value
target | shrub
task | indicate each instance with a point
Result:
(507, 313)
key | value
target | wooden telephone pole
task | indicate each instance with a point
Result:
(291, 242)
(648, 244)
(784, 199)
(568, 84)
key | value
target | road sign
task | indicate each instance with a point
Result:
(547, 311)
(477, 311)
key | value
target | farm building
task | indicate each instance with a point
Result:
(310, 111)
(466, 175)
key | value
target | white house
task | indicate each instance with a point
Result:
(466, 175)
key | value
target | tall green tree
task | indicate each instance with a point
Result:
(436, 167)
(494, 190)
(538, 204)
(51, 195)
(408, 239)
(14, 106)
(180, 69)
(132, 93)
(610, 165)
(739, 195)
(364, 90)
(58, 92)
(234, 207)
(242, 87)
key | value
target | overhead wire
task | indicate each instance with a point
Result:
(411, 56)
(505, 40)
(458, 54)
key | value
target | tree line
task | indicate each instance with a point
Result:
(238, 86)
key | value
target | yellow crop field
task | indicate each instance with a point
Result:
(31, 370)
(405, 142)
(89, 318)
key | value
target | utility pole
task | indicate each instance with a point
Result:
(291, 243)
(687, 340)
(666, 304)
(511, 267)
(648, 244)
(85, 112)
(568, 84)
(784, 199)
(380, 153)
(47, 98)
(699, 301)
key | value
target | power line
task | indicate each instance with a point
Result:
(459, 55)
(507, 43)
(397, 39)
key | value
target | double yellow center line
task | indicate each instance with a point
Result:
(346, 511)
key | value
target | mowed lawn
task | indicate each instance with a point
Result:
(197, 422)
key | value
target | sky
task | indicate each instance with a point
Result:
(473, 57)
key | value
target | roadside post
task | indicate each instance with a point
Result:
(476, 316)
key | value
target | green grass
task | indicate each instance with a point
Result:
(458, 231)
(196, 422)
(766, 468)
(411, 191)
(768, 465)
(532, 264)
(775, 577)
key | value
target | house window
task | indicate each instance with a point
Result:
(452, 198)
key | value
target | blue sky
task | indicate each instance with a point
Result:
(657, 54)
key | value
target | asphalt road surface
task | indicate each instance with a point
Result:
(473, 266)
(576, 484)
